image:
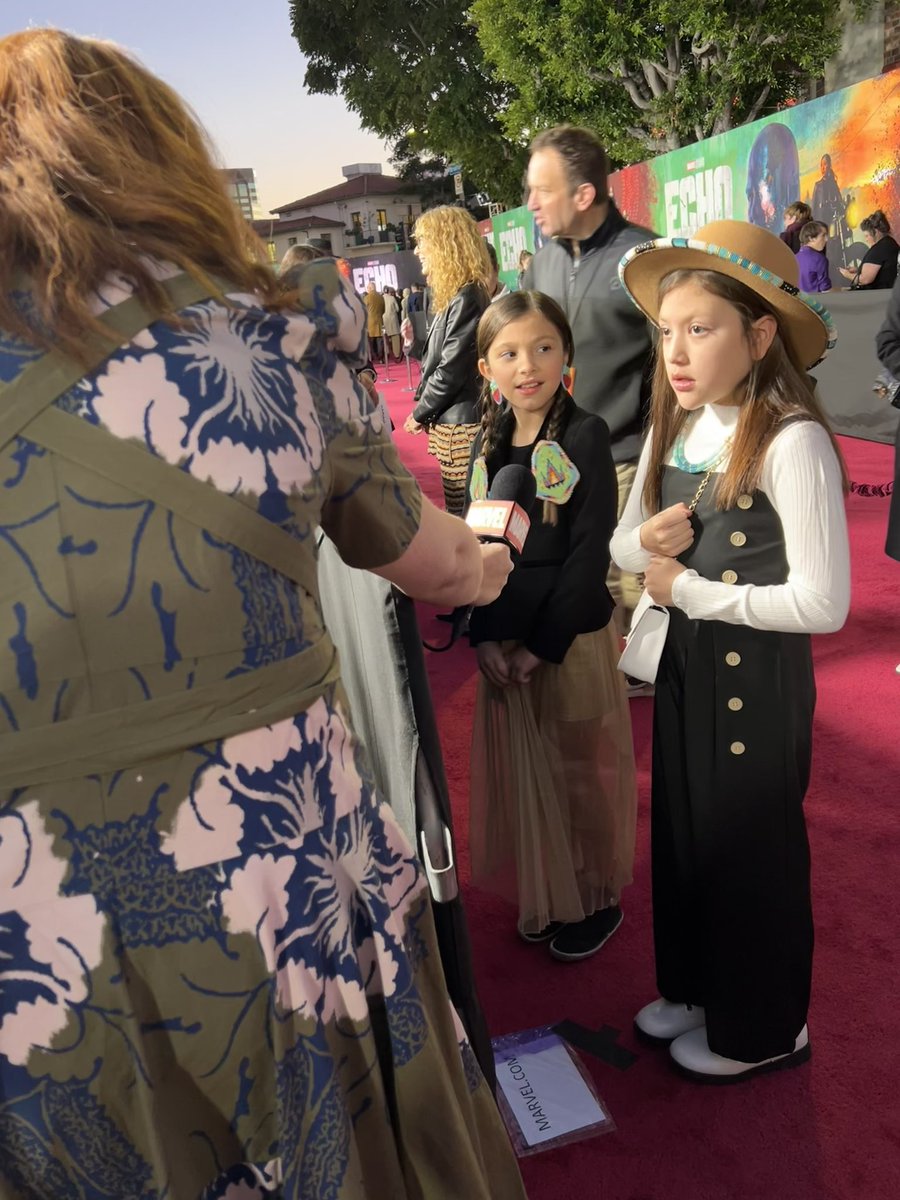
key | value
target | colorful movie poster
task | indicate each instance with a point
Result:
(513, 232)
(840, 154)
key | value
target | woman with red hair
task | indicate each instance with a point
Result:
(218, 973)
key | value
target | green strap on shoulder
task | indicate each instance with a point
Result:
(26, 410)
(54, 373)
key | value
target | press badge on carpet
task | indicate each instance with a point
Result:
(545, 1092)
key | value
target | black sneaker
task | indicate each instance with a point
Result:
(581, 939)
(541, 935)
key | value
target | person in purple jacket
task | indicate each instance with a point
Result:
(811, 258)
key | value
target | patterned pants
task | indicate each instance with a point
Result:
(451, 445)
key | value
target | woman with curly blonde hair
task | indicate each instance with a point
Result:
(455, 260)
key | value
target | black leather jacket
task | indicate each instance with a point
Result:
(450, 388)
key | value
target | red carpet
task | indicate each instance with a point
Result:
(826, 1131)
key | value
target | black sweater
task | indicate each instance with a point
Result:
(558, 588)
(613, 349)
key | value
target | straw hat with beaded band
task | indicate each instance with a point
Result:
(745, 252)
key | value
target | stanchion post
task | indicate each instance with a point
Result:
(409, 383)
(385, 341)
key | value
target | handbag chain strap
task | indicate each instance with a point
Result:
(700, 490)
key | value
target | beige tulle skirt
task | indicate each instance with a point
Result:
(553, 794)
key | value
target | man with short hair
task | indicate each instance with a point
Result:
(811, 258)
(585, 237)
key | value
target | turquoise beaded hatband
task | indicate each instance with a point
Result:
(745, 252)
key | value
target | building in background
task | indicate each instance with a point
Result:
(279, 234)
(241, 185)
(369, 209)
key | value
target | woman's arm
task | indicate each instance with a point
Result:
(868, 273)
(802, 478)
(625, 547)
(446, 564)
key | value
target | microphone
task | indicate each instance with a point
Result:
(501, 517)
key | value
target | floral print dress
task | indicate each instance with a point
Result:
(218, 971)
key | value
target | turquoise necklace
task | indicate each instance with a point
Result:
(680, 459)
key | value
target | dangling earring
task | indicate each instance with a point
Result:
(496, 394)
(568, 378)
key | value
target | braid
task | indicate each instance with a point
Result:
(556, 422)
(489, 414)
(497, 423)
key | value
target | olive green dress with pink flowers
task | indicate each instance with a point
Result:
(218, 971)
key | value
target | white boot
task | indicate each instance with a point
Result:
(692, 1054)
(662, 1021)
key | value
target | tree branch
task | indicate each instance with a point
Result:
(757, 105)
(673, 50)
(659, 78)
(412, 29)
(628, 82)
(654, 83)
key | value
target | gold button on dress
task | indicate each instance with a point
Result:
(735, 704)
(738, 747)
(733, 658)
(729, 577)
(745, 501)
(738, 538)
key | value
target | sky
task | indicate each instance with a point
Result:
(237, 65)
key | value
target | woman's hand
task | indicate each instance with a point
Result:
(669, 533)
(497, 565)
(659, 577)
(411, 425)
(493, 664)
(521, 664)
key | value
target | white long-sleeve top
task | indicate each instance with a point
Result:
(802, 478)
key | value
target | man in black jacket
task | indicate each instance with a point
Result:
(578, 266)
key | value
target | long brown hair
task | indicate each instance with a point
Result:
(776, 388)
(498, 420)
(102, 168)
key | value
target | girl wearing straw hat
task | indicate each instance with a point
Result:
(737, 521)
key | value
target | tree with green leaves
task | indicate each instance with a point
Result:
(414, 70)
(653, 75)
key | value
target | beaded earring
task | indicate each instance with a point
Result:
(568, 378)
(496, 394)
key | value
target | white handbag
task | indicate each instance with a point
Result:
(645, 641)
(650, 622)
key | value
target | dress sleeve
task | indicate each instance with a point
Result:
(327, 299)
(373, 506)
(802, 478)
(580, 589)
(626, 549)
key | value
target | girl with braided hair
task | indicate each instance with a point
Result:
(553, 798)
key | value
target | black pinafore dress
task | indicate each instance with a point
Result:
(732, 744)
